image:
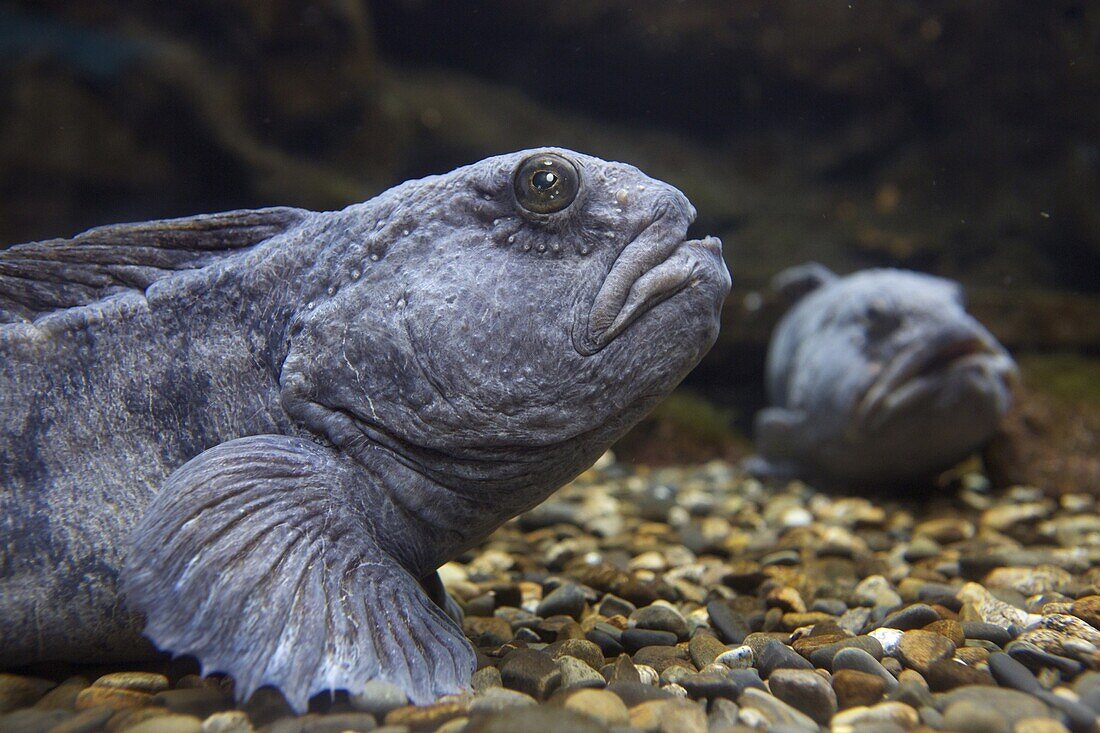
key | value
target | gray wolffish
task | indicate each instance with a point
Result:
(877, 378)
(259, 433)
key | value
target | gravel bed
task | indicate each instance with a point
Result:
(697, 600)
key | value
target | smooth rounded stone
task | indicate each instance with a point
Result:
(575, 673)
(854, 688)
(947, 674)
(918, 649)
(1039, 725)
(267, 704)
(427, 717)
(632, 693)
(612, 605)
(704, 649)
(776, 655)
(1035, 658)
(660, 657)
(993, 610)
(531, 672)
(538, 718)
(710, 685)
(831, 606)
(635, 639)
(499, 698)
(860, 719)
(483, 679)
(141, 681)
(1087, 609)
(229, 721)
(33, 720)
(861, 661)
(339, 723)
(658, 617)
(774, 711)
(198, 701)
(114, 697)
(581, 649)
(565, 600)
(17, 691)
(914, 616)
(875, 591)
(806, 691)
(731, 626)
(1012, 673)
(378, 697)
(527, 636)
(914, 694)
(1080, 717)
(740, 657)
(945, 529)
(1030, 581)
(86, 721)
(1011, 704)
(482, 605)
(63, 697)
(787, 599)
(609, 645)
(675, 715)
(888, 638)
(949, 628)
(170, 723)
(823, 656)
(487, 630)
(971, 716)
(672, 674)
(604, 706)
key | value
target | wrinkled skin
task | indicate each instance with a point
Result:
(877, 378)
(271, 442)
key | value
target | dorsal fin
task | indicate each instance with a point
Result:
(39, 277)
(795, 282)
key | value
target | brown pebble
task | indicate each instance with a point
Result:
(972, 655)
(675, 715)
(947, 674)
(792, 621)
(488, 631)
(602, 705)
(582, 649)
(63, 697)
(115, 698)
(426, 718)
(17, 691)
(1087, 609)
(854, 688)
(949, 628)
(704, 648)
(140, 681)
(170, 723)
(122, 719)
(918, 649)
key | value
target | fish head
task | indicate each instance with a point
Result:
(530, 302)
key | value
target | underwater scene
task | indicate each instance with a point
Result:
(705, 366)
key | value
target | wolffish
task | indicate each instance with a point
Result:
(261, 432)
(877, 378)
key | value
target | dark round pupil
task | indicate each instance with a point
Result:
(544, 180)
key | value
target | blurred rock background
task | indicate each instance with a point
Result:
(956, 138)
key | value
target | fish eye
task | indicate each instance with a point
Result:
(546, 183)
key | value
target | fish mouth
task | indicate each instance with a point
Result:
(939, 369)
(656, 265)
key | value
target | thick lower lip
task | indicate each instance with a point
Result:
(648, 271)
(916, 371)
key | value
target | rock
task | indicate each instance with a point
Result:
(947, 674)
(669, 716)
(532, 719)
(915, 616)
(378, 697)
(604, 706)
(483, 679)
(499, 698)
(918, 649)
(86, 721)
(141, 681)
(704, 649)
(949, 628)
(33, 720)
(17, 691)
(228, 721)
(575, 673)
(1009, 672)
(1010, 704)
(740, 657)
(199, 701)
(62, 697)
(731, 626)
(633, 693)
(113, 697)
(1029, 581)
(170, 723)
(635, 639)
(776, 655)
(267, 704)
(581, 649)
(1087, 609)
(855, 688)
(823, 656)
(530, 672)
(993, 610)
(987, 632)
(722, 715)
(806, 691)
(710, 685)
(609, 644)
(861, 719)
(612, 605)
(340, 723)
(427, 717)
(565, 600)
(661, 618)
(861, 661)
(875, 590)
(774, 711)
(1039, 725)
(487, 630)
(970, 716)
(1035, 658)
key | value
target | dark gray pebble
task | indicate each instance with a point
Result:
(633, 693)
(823, 656)
(201, 702)
(913, 694)
(747, 678)
(805, 691)
(533, 718)
(612, 605)
(531, 672)
(340, 722)
(482, 605)
(731, 626)
(916, 616)
(986, 632)
(831, 606)
(661, 618)
(607, 643)
(710, 685)
(635, 639)
(859, 660)
(777, 655)
(1035, 658)
(1012, 673)
(567, 600)
(947, 674)
(528, 636)
(1079, 718)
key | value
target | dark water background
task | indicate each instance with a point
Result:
(961, 139)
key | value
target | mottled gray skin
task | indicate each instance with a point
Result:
(877, 378)
(271, 427)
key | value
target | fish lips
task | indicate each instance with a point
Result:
(653, 267)
(938, 370)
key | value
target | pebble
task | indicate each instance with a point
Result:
(566, 600)
(732, 627)
(1011, 704)
(62, 697)
(115, 698)
(170, 723)
(229, 721)
(575, 673)
(918, 649)
(86, 721)
(860, 719)
(823, 657)
(499, 698)
(704, 649)
(661, 618)
(378, 697)
(602, 705)
(531, 672)
(971, 716)
(531, 720)
(911, 617)
(774, 711)
(198, 701)
(861, 661)
(427, 717)
(1009, 672)
(17, 691)
(636, 639)
(806, 691)
(710, 685)
(776, 655)
(740, 657)
(854, 688)
(674, 715)
(947, 674)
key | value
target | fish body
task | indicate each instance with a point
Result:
(877, 378)
(255, 435)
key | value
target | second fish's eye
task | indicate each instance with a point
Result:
(546, 183)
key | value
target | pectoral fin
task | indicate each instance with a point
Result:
(253, 559)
